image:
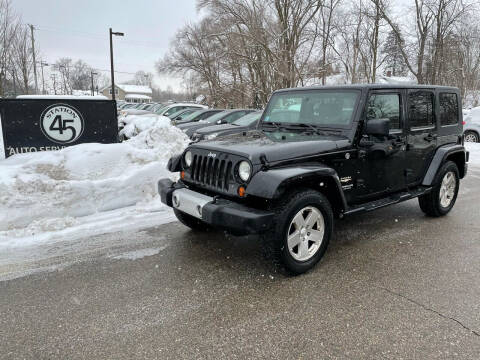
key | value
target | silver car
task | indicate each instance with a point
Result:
(471, 126)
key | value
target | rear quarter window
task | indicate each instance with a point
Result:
(420, 109)
(448, 109)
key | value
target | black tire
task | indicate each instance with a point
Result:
(471, 135)
(191, 221)
(430, 203)
(275, 241)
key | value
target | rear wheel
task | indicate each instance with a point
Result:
(471, 136)
(303, 228)
(442, 198)
(191, 221)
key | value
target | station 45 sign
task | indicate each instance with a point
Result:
(62, 123)
(46, 123)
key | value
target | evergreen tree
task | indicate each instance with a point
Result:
(394, 60)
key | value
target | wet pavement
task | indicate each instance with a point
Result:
(393, 284)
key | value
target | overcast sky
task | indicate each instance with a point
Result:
(79, 29)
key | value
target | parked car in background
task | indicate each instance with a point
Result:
(182, 113)
(196, 116)
(245, 123)
(173, 108)
(224, 117)
(471, 127)
(140, 109)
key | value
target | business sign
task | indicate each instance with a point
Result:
(31, 125)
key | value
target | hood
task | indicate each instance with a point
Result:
(193, 127)
(194, 124)
(275, 146)
(216, 128)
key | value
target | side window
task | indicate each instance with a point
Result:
(420, 109)
(174, 110)
(385, 106)
(448, 109)
(206, 115)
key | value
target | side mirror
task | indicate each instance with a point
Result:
(378, 127)
(219, 122)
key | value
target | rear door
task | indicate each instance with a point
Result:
(422, 134)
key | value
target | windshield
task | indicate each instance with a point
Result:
(159, 111)
(192, 116)
(248, 119)
(181, 113)
(322, 108)
(214, 118)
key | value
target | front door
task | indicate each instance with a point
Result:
(422, 134)
(385, 172)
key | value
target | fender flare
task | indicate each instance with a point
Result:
(175, 163)
(269, 184)
(438, 159)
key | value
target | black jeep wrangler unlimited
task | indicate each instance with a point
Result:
(320, 153)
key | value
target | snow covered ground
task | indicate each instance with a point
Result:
(87, 189)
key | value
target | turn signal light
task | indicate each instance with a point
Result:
(241, 191)
(182, 175)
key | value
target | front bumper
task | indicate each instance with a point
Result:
(217, 212)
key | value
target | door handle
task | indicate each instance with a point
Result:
(430, 137)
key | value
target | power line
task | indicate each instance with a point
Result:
(89, 35)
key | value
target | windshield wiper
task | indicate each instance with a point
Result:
(305, 127)
(270, 123)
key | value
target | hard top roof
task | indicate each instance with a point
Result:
(370, 86)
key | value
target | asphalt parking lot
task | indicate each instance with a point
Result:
(394, 284)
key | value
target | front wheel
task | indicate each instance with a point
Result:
(441, 199)
(303, 228)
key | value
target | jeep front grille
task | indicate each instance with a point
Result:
(211, 172)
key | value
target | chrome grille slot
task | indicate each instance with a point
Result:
(211, 172)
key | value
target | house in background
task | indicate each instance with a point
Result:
(129, 93)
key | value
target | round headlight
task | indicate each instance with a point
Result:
(188, 158)
(244, 170)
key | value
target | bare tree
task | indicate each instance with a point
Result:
(64, 67)
(9, 26)
(22, 58)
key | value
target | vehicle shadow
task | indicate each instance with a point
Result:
(244, 255)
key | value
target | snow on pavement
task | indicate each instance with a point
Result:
(474, 149)
(87, 189)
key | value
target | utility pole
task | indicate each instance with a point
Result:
(42, 64)
(14, 83)
(54, 77)
(33, 55)
(64, 78)
(111, 33)
(91, 76)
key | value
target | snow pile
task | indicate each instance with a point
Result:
(135, 124)
(50, 191)
(63, 97)
(474, 149)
